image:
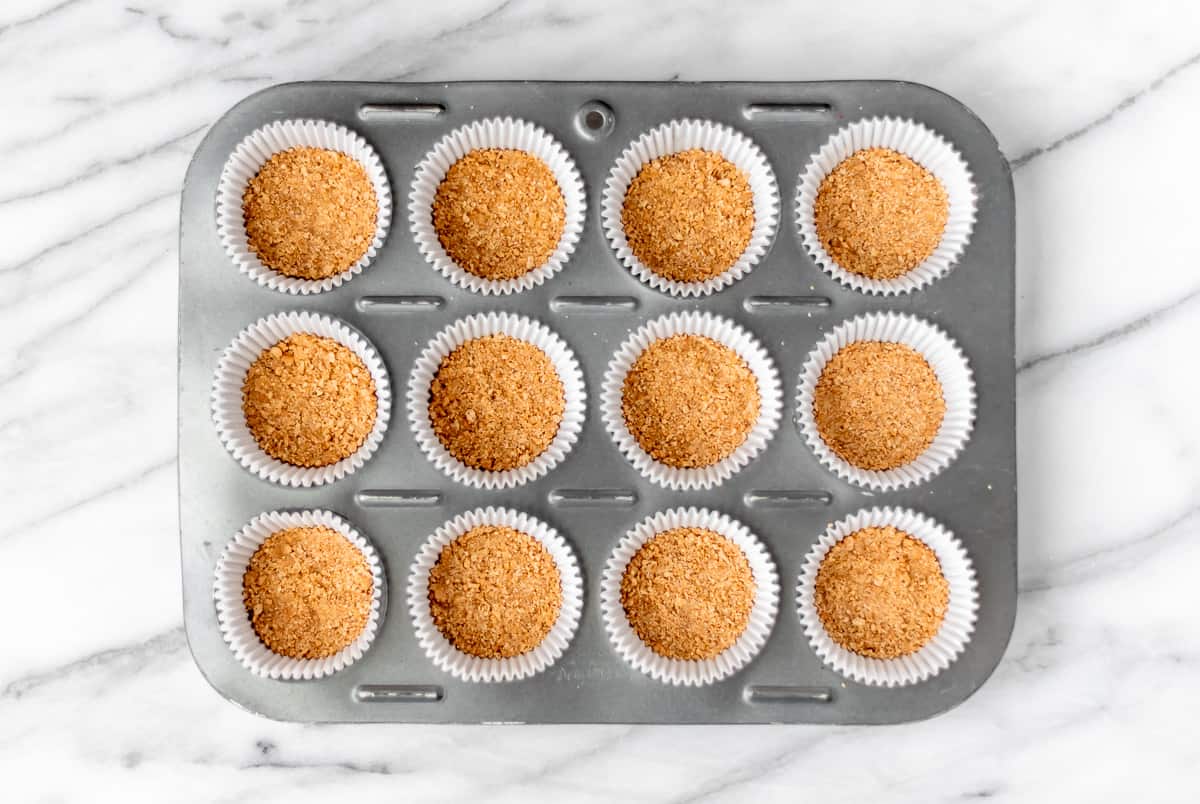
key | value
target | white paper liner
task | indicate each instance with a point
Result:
(957, 626)
(230, 420)
(946, 360)
(478, 326)
(234, 623)
(506, 133)
(718, 329)
(249, 157)
(683, 135)
(474, 668)
(925, 147)
(695, 672)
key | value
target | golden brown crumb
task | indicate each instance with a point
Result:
(310, 212)
(690, 401)
(878, 405)
(309, 401)
(881, 593)
(688, 593)
(689, 216)
(307, 592)
(495, 592)
(499, 213)
(880, 214)
(496, 403)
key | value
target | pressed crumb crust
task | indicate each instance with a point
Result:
(880, 214)
(496, 403)
(310, 213)
(878, 405)
(689, 216)
(690, 401)
(688, 593)
(309, 401)
(881, 593)
(308, 592)
(499, 213)
(495, 592)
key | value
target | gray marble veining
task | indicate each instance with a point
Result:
(102, 105)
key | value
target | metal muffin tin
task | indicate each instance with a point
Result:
(784, 496)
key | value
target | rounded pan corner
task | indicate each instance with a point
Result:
(214, 681)
(254, 99)
(1001, 648)
(216, 685)
(945, 97)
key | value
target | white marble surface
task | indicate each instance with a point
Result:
(101, 105)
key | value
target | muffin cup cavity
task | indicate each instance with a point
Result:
(249, 157)
(722, 331)
(948, 363)
(479, 326)
(925, 147)
(474, 668)
(495, 132)
(683, 135)
(684, 672)
(957, 625)
(230, 420)
(234, 623)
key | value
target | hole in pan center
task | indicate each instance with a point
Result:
(595, 120)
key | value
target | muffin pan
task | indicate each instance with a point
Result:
(784, 496)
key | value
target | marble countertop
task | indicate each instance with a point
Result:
(103, 104)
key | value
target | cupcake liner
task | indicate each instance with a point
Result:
(506, 133)
(946, 360)
(925, 147)
(478, 326)
(230, 420)
(249, 157)
(683, 135)
(685, 672)
(234, 622)
(957, 626)
(473, 668)
(725, 332)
